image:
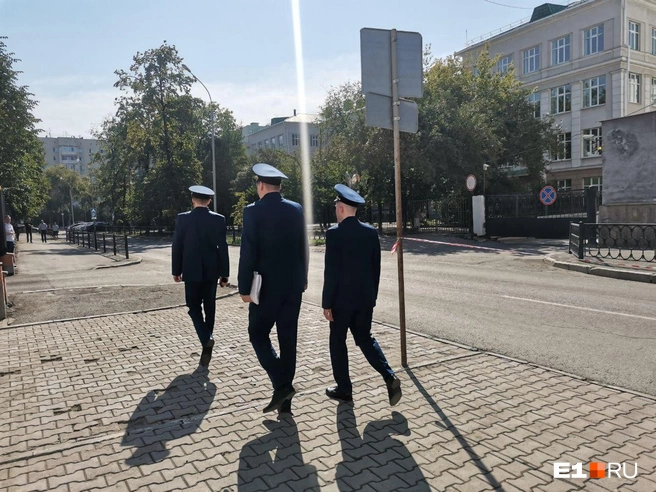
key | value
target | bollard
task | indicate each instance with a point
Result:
(95, 240)
(104, 244)
(582, 240)
(127, 255)
(3, 295)
(114, 240)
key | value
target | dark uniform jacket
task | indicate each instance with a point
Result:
(200, 249)
(274, 244)
(352, 271)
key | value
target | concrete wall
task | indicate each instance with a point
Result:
(629, 160)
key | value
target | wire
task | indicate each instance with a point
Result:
(509, 6)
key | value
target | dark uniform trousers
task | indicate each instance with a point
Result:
(199, 296)
(261, 318)
(359, 322)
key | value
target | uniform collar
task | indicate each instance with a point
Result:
(273, 196)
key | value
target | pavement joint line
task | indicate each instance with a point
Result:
(97, 316)
(235, 410)
(92, 287)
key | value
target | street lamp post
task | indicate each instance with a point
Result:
(213, 154)
(70, 193)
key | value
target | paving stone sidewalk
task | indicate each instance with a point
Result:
(115, 403)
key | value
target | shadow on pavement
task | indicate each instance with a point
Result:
(255, 459)
(371, 449)
(187, 399)
(486, 473)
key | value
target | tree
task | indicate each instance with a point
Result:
(21, 152)
(66, 186)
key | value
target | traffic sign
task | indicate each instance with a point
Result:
(93, 214)
(548, 195)
(471, 182)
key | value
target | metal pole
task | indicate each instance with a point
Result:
(399, 200)
(213, 156)
(72, 214)
(127, 254)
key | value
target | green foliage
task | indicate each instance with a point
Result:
(65, 184)
(159, 143)
(21, 153)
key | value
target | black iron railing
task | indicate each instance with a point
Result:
(635, 242)
(116, 244)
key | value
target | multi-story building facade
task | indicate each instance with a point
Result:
(588, 61)
(283, 134)
(77, 154)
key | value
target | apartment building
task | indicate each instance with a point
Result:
(76, 154)
(283, 133)
(589, 61)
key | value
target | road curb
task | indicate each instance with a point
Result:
(608, 272)
(120, 264)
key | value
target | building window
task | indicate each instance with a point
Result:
(281, 141)
(591, 142)
(596, 182)
(561, 99)
(259, 145)
(564, 184)
(564, 151)
(653, 41)
(295, 139)
(634, 88)
(534, 99)
(653, 90)
(594, 91)
(314, 140)
(54, 158)
(593, 40)
(560, 50)
(532, 60)
(503, 65)
(634, 36)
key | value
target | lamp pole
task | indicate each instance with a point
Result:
(213, 154)
(70, 194)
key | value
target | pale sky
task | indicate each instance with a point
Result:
(242, 50)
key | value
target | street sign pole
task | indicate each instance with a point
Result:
(399, 200)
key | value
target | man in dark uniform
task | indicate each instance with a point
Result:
(274, 244)
(350, 289)
(200, 259)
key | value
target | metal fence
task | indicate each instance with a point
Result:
(635, 242)
(450, 215)
(570, 204)
(116, 244)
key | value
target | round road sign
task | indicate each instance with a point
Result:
(548, 195)
(471, 182)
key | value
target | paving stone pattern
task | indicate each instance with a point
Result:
(116, 403)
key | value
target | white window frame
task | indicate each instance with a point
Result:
(314, 140)
(591, 142)
(594, 91)
(504, 63)
(535, 99)
(653, 90)
(593, 40)
(594, 182)
(531, 59)
(281, 141)
(634, 36)
(296, 139)
(564, 184)
(634, 88)
(561, 50)
(564, 139)
(561, 99)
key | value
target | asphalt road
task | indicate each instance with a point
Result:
(504, 299)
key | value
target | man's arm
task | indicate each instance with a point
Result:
(331, 271)
(176, 250)
(376, 265)
(224, 258)
(247, 253)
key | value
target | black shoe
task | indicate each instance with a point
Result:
(286, 406)
(336, 394)
(279, 397)
(393, 390)
(206, 356)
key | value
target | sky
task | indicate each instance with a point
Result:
(243, 50)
